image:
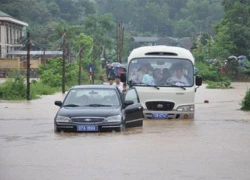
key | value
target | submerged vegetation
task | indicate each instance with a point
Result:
(15, 89)
(224, 84)
(245, 105)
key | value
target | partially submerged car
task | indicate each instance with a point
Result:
(93, 108)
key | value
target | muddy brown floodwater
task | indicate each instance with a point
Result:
(213, 146)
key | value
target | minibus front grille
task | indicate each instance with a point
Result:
(160, 105)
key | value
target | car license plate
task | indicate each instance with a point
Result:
(159, 115)
(87, 128)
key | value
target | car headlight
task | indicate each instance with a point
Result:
(186, 108)
(62, 119)
(116, 118)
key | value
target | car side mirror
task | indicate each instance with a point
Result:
(58, 103)
(198, 80)
(196, 70)
(123, 77)
(127, 103)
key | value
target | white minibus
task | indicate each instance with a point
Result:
(165, 81)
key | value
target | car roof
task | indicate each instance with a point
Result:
(94, 87)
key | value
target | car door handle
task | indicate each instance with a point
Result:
(139, 107)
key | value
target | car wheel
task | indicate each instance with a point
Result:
(141, 123)
(56, 129)
(120, 129)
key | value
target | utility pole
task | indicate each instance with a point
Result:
(64, 61)
(80, 67)
(121, 45)
(118, 41)
(93, 55)
(43, 59)
(69, 59)
(28, 66)
(120, 34)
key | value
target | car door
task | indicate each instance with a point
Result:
(134, 112)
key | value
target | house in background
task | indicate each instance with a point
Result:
(12, 32)
(12, 39)
(145, 41)
(185, 42)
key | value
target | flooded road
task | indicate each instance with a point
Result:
(214, 146)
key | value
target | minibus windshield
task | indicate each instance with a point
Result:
(161, 72)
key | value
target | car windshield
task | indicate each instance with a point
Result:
(92, 98)
(162, 72)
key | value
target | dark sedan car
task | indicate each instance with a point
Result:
(98, 107)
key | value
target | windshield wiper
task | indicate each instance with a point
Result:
(137, 84)
(143, 84)
(173, 85)
(98, 105)
(71, 105)
(153, 86)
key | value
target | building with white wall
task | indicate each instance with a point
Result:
(12, 33)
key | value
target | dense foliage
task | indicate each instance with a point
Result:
(212, 75)
(223, 84)
(209, 72)
(233, 31)
(13, 88)
(51, 73)
(98, 18)
(165, 17)
(43, 15)
(246, 102)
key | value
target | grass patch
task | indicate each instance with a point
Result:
(245, 105)
(39, 88)
(15, 89)
(226, 84)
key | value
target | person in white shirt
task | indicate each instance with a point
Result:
(118, 83)
(178, 78)
(138, 76)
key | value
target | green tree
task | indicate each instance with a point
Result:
(184, 28)
(175, 8)
(83, 46)
(154, 21)
(51, 73)
(223, 44)
(101, 29)
(235, 27)
(41, 14)
(116, 8)
(203, 14)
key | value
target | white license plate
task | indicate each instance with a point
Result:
(87, 128)
(159, 115)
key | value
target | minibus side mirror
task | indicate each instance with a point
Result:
(198, 80)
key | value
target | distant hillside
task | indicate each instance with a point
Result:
(179, 18)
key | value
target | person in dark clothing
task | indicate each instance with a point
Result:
(111, 81)
(158, 77)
